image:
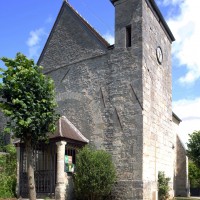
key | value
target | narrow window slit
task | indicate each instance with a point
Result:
(128, 36)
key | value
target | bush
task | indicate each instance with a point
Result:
(8, 172)
(163, 186)
(95, 174)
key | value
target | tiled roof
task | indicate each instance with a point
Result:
(65, 129)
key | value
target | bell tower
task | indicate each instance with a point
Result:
(142, 33)
(128, 22)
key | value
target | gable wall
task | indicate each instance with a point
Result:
(69, 41)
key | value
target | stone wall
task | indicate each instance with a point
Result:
(158, 136)
(181, 182)
(181, 176)
(97, 97)
(101, 97)
(70, 41)
(120, 99)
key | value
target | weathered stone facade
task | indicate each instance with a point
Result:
(181, 182)
(119, 97)
(158, 135)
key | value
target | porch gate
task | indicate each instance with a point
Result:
(45, 170)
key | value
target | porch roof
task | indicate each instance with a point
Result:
(65, 129)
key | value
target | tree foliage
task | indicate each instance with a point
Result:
(8, 172)
(95, 174)
(28, 99)
(194, 175)
(28, 102)
(163, 186)
(193, 146)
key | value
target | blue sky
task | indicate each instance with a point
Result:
(25, 26)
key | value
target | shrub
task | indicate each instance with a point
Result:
(8, 172)
(95, 174)
(163, 186)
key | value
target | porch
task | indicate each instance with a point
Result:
(54, 163)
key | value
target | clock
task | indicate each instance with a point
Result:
(159, 55)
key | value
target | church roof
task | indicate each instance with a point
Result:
(65, 129)
(176, 117)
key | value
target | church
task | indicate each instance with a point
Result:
(120, 96)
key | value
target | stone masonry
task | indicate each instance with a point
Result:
(158, 135)
(119, 97)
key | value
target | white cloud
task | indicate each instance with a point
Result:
(49, 20)
(34, 40)
(171, 2)
(35, 37)
(186, 29)
(109, 38)
(34, 52)
(189, 112)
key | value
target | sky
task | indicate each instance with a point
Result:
(26, 24)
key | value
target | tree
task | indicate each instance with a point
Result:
(163, 186)
(28, 103)
(193, 146)
(8, 162)
(95, 174)
(194, 175)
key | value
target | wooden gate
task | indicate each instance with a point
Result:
(45, 170)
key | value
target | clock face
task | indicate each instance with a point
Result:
(159, 55)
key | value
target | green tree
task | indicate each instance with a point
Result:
(163, 186)
(29, 104)
(95, 174)
(8, 172)
(194, 175)
(193, 146)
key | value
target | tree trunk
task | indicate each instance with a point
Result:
(30, 170)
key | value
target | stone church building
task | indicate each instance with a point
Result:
(120, 96)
